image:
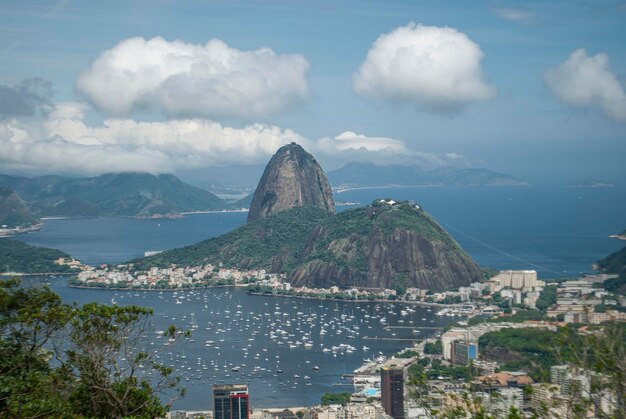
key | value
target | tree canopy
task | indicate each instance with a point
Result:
(59, 360)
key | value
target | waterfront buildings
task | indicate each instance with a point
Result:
(230, 401)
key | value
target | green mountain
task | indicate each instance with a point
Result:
(274, 243)
(244, 202)
(382, 245)
(118, 194)
(615, 263)
(16, 256)
(589, 183)
(369, 174)
(14, 213)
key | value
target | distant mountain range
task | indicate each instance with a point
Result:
(14, 213)
(367, 174)
(119, 194)
(138, 194)
(590, 183)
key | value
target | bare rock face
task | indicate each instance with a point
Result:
(292, 178)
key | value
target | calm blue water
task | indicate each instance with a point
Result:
(114, 240)
(263, 339)
(558, 231)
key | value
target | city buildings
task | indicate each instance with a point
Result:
(464, 351)
(392, 377)
(517, 280)
(230, 401)
(507, 399)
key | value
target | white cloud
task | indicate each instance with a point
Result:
(65, 143)
(349, 140)
(181, 79)
(586, 81)
(437, 68)
(516, 14)
(350, 146)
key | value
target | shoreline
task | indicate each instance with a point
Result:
(155, 289)
(9, 274)
(215, 211)
(302, 297)
(358, 188)
(438, 185)
(10, 232)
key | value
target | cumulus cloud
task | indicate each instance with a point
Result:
(188, 80)
(585, 81)
(64, 142)
(25, 98)
(437, 68)
(516, 14)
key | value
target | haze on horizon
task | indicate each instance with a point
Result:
(532, 89)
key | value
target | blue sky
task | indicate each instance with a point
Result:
(515, 119)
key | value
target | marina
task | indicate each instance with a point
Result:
(284, 349)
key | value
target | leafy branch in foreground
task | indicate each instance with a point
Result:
(89, 361)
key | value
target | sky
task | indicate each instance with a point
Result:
(535, 89)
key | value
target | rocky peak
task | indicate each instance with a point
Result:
(292, 178)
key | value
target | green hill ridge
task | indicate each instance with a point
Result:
(14, 213)
(16, 256)
(378, 246)
(113, 194)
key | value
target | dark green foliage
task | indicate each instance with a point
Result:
(335, 398)
(29, 320)
(407, 354)
(426, 369)
(520, 316)
(457, 372)
(531, 350)
(66, 361)
(17, 256)
(433, 348)
(115, 194)
(250, 246)
(616, 285)
(547, 298)
(615, 263)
